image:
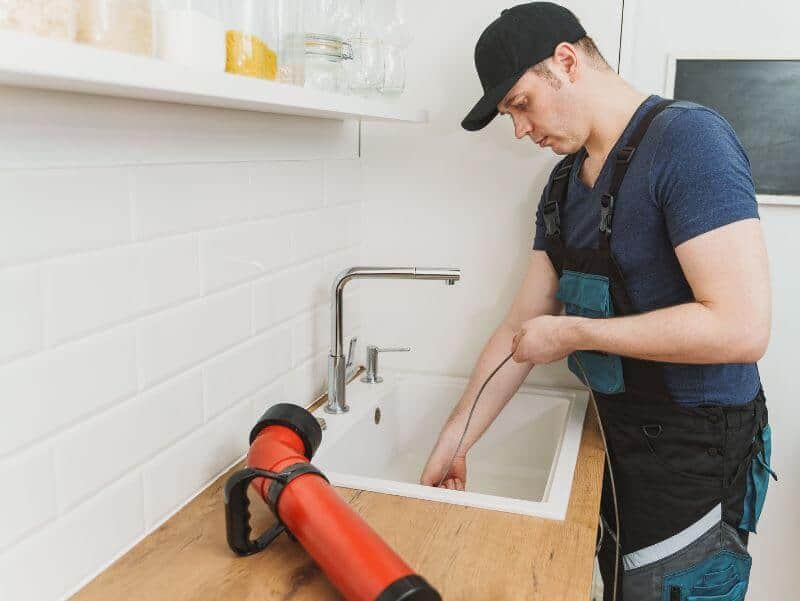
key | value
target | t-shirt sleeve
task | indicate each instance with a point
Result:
(700, 175)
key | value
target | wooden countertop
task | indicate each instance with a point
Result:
(464, 552)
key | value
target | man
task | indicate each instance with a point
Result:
(665, 319)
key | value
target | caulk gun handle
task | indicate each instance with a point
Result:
(237, 516)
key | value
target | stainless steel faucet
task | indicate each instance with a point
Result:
(336, 360)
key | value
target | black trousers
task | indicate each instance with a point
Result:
(672, 466)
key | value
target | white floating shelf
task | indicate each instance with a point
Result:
(33, 62)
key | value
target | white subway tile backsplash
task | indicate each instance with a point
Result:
(151, 309)
(269, 396)
(181, 198)
(86, 292)
(56, 559)
(245, 369)
(170, 270)
(107, 446)
(308, 380)
(44, 212)
(25, 503)
(314, 234)
(176, 339)
(288, 186)
(20, 312)
(289, 293)
(242, 252)
(180, 471)
(343, 183)
(310, 334)
(53, 389)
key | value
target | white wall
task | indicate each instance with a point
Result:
(741, 29)
(164, 277)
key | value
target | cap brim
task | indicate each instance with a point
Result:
(486, 108)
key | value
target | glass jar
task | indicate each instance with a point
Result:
(251, 39)
(325, 56)
(46, 18)
(123, 25)
(394, 70)
(190, 33)
(365, 71)
(291, 43)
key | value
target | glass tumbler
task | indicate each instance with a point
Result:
(365, 71)
(394, 70)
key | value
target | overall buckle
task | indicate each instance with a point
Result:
(552, 221)
(625, 153)
(606, 207)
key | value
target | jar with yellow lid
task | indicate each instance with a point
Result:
(251, 38)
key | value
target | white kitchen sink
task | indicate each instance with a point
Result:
(524, 462)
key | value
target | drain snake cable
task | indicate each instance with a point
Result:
(605, 449)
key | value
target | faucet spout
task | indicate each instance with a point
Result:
(336, 360)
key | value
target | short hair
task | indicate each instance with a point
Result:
(589, 48)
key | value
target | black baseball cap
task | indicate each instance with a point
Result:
(519, 38)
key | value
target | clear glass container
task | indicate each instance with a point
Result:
(394, 70)
(190, 33)
(46, 18)
(123, 25)
(291, 44)
(251, 38)
(325, 58)
(365, 71)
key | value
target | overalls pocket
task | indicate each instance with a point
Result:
(758, 479)
(722, 577)
(588, 295)
(714, 566)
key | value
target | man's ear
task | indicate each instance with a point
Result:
(565, 59)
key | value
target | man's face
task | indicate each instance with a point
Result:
(546, 115)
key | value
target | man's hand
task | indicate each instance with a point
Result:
(544, 339)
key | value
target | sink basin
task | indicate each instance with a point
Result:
(524, 462)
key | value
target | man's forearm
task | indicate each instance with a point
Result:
(496, 394)
(686, 333)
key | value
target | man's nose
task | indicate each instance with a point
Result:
(522, 128)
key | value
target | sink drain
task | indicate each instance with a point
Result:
(377, 415)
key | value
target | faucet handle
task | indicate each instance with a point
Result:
(372, 376)
(351, 351)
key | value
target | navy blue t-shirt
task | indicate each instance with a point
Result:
(688, 176)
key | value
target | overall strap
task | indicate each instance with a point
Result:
(558, 191)
(621, 162)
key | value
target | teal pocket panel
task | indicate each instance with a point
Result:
(604, 371)
(584, 294)
(588, 295)
(722, 577)
(758, 480)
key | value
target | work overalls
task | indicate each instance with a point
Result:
(690, 481)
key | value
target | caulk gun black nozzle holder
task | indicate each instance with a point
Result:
(409, 588)
(296, 418)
